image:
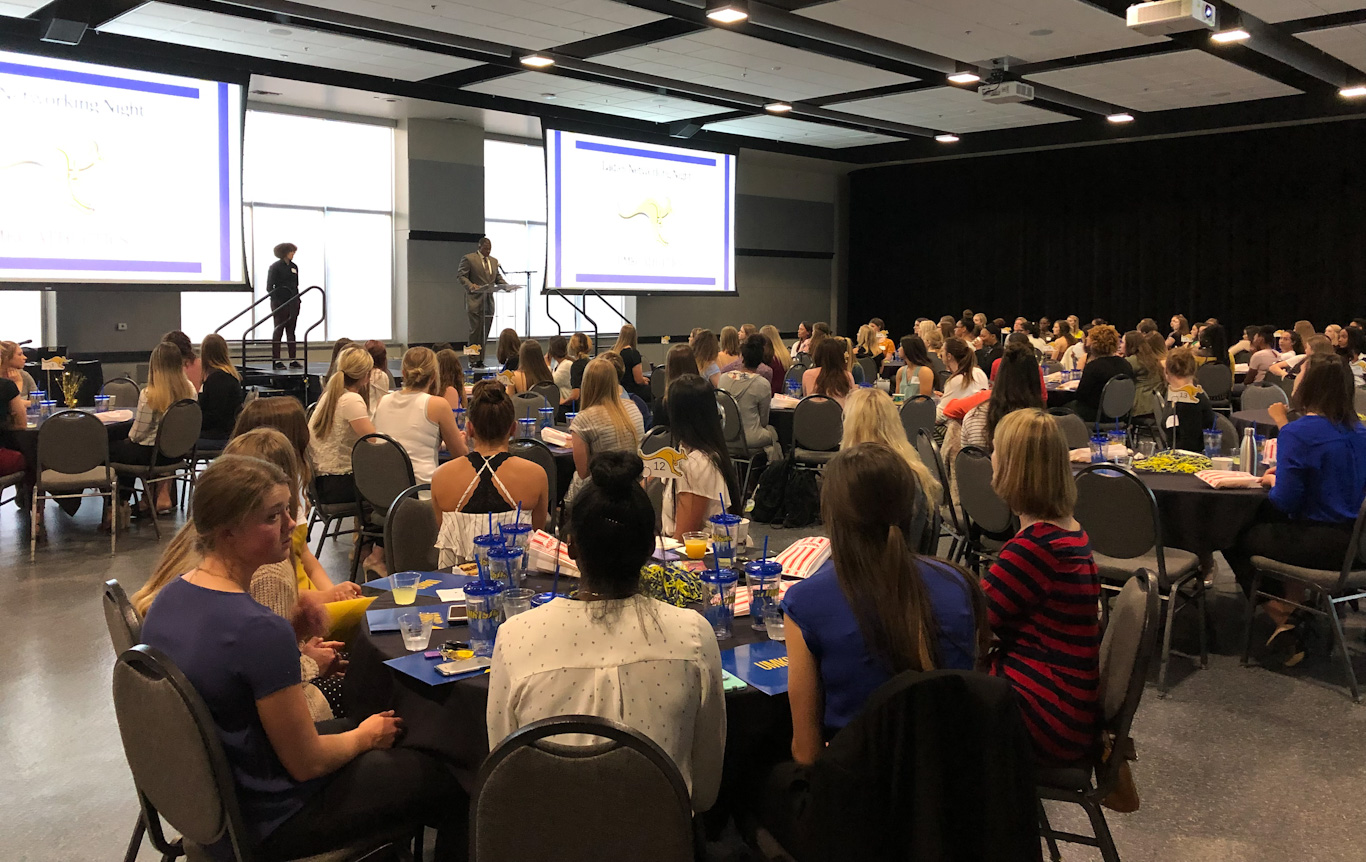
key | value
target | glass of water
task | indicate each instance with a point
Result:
(415, 630)
(775, 623)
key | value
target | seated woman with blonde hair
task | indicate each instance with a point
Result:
(870, 416)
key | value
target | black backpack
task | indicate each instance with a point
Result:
(787, 496)
(768, 497)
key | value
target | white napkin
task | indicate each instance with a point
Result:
(455, 595)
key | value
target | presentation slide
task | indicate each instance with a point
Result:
(627, 217)
(112, 176)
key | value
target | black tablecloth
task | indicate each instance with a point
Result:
(449, 720)
(1198, 518)
(26, 439)
(781, 420)
(1060, 397)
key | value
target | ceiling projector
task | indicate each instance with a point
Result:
(1164, 17)
(1005, 92)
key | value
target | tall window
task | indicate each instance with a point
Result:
(514, 219)
(22, 316)
(327, 187)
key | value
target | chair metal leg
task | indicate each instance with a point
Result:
(148, 490)
(1172, 595)
(1101, 830)
(1342, 649)
(1249, 613)
(1047, 828)
(135, 843)
(33, 526)
(114, 525)
(1204, 620)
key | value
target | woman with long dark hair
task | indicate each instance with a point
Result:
(1016, 388)
(708, 474)
(877, 607)
(916, 377)
(531, 367)
(611, 651)
(221, 397)
(831, 377)
(1214, 346)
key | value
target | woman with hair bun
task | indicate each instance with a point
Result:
(610, 651)
(487, 480)
(418, 418)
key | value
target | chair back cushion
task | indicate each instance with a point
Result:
(732, 425)
(123, 393)
(382, 470)
(658, 437)
(72, 441)
(1118, 512)
(641, 804)
(410, 533)
(528, 404)
(179, 429)
(1117, 398)
(1260, 396)
(171, 745)
(549, 391)
(980, 503)
(1215, 379)
(1073, 428)
(535, 450)
(658, 380)
(1229, 433)
(1125, 650)
(917, 413)
(817, 424)
(124, 624)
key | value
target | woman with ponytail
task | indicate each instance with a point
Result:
(876, 608)
(610, 651)
(341, 417)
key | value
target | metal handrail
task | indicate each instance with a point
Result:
(297, 299)
(591, 292)
(562, 295)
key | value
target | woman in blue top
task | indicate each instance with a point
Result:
(877, 608)
(1316, 490)
(301, 792)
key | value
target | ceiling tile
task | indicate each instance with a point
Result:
(1184, 79)
(798, 132)
(591, 96)
(1348, 44)
(18, 8)
(732, 61)
(950, 109)
(533, 24)
(977, 30)
(1288, 10)
(181, 26)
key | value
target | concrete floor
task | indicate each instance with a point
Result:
(1256, 765)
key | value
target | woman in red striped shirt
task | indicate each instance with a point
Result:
(1042, 595)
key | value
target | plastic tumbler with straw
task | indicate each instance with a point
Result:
(762, 577)
(484, 609)
(720, 602)
(485, 543)
(518, 535)
(723, 529)
(505, 565)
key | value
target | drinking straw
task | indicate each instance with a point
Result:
(483, 578)
(490, 523)
(519, 512)
(555, 584)
(765, 556)
(722, 498)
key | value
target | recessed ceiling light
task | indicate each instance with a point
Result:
(1121, 118)
(965, 77)
(1043, 32)
(778, 107)
(549, 97)
(947, 138)
(727, 11)
(1354, 92)
(281, 31)
(537, 61)
(1226, 36)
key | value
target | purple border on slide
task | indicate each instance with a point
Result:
(644, 279)
(559, 263)
(109, 81)
(64, 265)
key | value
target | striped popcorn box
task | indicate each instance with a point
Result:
(803, 557)
(544, 550)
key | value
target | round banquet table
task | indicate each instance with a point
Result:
(26, 439)
(1198, 518)
(781, 420)
(449, 720)
(1259, 419)
(1060, 397)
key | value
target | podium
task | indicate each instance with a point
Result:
(471, 348)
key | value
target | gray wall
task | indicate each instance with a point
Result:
(87, 321)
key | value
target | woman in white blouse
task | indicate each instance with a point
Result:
(709, 476)
(611, 651)
(965, 376)
(419, 419)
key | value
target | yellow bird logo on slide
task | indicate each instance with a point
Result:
(655, 212)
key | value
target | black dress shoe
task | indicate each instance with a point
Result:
(279, 366)
(296, 365)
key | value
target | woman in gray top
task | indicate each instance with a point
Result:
(753, 394)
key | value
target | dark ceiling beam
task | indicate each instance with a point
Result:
(1077, 61)
(874, 93)
(1269, 53)
(1324, 22)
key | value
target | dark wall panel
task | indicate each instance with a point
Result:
(1266, 226)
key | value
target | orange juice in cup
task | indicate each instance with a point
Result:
(695, 545)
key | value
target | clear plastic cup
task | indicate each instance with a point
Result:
(725, 529)
(1147, 448)
(526, 428)
(47, 408)
(416, 631)
(695, 544)
(569, 418)
(1098, 442)
(762, 577)
(505, 564)
(482, 545)
(517, 536)
(1114, 440)
(484, 609)
(1214, 443)
(101, 403)
(775, 623)
(405, 587)
(459, 417)
(547, 417)
(517, 601)
(720, 602)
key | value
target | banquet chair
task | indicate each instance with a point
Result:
(1120, 515)
(646, 415)
(528, 404)
(330, 515)
(125, 632)
(987, 519)
(655, 439)
(1260, 396)
(1217, 381)
(817, 426)
(1329, 589)
(410, 532)
(382, 470)
(869, 366)
(733, 428)
(123, 393)
(173, 453)
(1359, 400)
(917, 413)
(11, 480)
(950, 528)
(535, 450)
(550, 392)
(941, 373)
(73, 463)
(1229, 432)
(641, 804)
(1126, 649)
(1154, 423)
(1117, 402)
(1073, 428)
(658, 381)
(181, 773)
(794, 374)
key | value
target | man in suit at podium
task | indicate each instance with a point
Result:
(479, 275)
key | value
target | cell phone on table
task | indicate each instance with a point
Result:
(455, 668)
(455, 614)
